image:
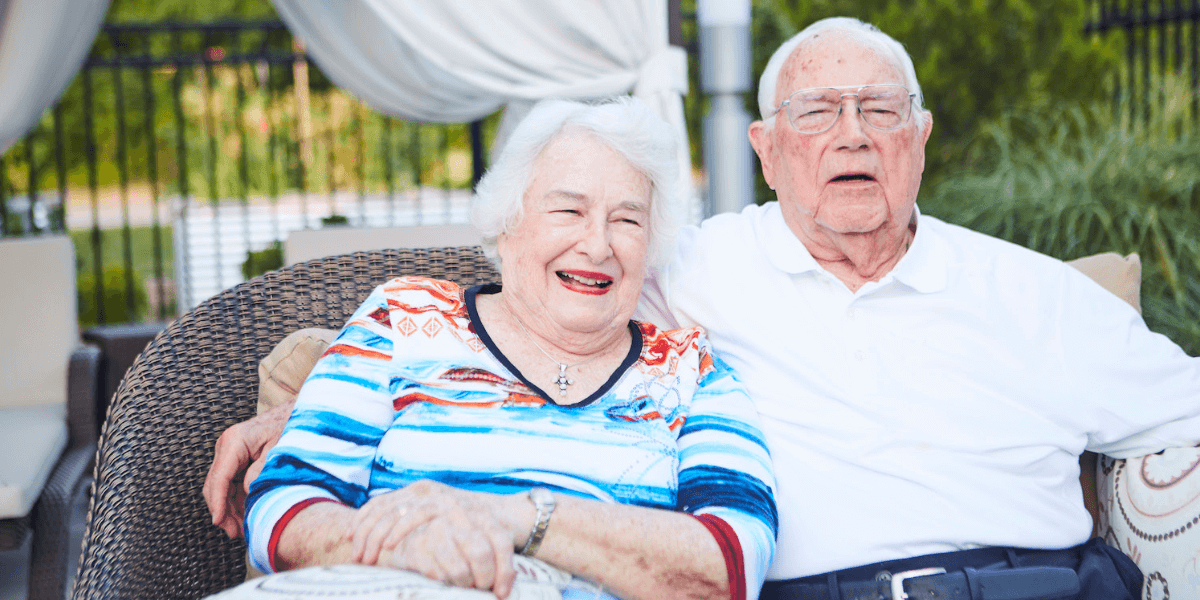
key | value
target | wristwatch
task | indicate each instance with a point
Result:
(543, 501)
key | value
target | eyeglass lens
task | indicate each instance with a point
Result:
(882, 106)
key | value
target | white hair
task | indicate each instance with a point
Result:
(862, 32)
(623, 123)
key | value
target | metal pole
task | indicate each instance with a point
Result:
(478, 159)
(725, 76)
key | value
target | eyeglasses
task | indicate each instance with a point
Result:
(815, 110)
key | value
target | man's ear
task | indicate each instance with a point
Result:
(926, 130)
(762, 139)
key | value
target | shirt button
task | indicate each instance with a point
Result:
(859, 355)
(851, 314)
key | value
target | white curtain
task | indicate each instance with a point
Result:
(42, 45)
(459, 60)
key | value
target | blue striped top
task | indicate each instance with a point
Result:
(413, 388)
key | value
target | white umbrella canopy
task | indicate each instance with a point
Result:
(42, 45)
(455, 61)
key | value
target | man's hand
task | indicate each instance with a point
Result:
(454, 536)
(240, 453)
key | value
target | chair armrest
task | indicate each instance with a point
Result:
(51, 550)
(83, 396)
(119, 346)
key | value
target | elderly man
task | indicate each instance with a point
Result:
(926, 390)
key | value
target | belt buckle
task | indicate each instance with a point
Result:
(898, 579)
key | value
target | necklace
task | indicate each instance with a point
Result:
(562, 380)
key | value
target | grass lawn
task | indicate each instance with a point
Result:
(112, 250)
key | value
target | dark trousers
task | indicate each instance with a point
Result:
(1104, 573)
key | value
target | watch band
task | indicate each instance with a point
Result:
(543, 501)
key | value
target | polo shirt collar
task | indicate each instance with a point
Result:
(780, 245)
(923, 267)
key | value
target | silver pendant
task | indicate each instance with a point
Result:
(562, 380)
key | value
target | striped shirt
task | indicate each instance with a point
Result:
(413, 388)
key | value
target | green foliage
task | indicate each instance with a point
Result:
(228, 130)
(142, 249)
(139, 11)
(13, 224)
(119, 305)
(335, 220)
(974, 59)
(261, 261)
(1069, 182)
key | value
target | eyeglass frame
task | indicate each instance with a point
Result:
(912, 97)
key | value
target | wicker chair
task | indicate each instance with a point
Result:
(48, 403)
(149, 534)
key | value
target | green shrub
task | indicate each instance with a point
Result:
(1072, 182)
(118, 307)
(335, 220)
(267, 259)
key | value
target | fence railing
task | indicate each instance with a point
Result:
(183, 153)
(1162, 51)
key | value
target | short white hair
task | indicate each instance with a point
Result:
(863, 32)
(623, 123)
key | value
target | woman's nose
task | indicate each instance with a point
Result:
(596, 242)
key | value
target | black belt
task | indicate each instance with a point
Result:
(981, 574)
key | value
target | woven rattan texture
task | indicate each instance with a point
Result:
(51, 552)
(149, 534)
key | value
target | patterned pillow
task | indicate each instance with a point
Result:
(1150, 510)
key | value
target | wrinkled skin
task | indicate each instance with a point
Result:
(241, 452)
(848, 193)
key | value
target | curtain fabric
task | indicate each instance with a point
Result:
(42, 45)
(458, 60)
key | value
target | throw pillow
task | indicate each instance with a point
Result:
(284, 370)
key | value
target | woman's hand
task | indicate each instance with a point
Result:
(458, 537)
(240, 454)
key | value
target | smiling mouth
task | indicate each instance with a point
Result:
(853, 177)
(579, 279)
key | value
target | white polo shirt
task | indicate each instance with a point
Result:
(943, 407)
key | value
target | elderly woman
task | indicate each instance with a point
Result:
(446, 429)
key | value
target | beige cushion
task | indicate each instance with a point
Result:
(31, 440)
(38, 277)
(1121, 275)
(282, 372)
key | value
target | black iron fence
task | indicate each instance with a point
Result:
(1162, 41)
(182, 155)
